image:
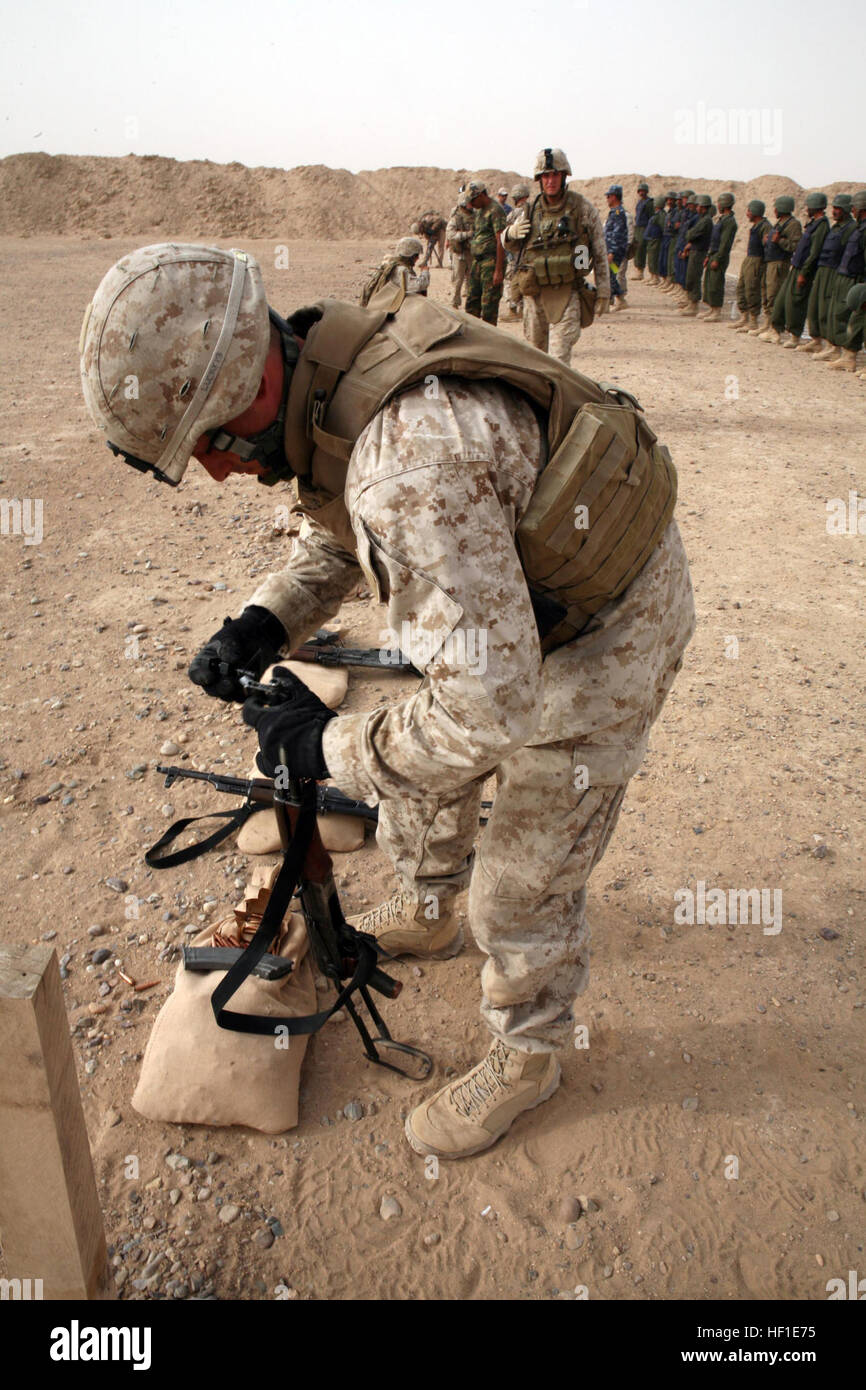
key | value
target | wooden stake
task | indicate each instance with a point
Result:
(50, 1220)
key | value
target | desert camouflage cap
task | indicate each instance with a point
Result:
(725, 200)
(757, 207)
(816, 200)
(408, 246)
(842, 200)
(551, 159)
(858, 202)
(173, 344)
(520, 190)
(784, 203)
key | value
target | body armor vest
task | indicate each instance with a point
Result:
(604, 496)
(549, 253)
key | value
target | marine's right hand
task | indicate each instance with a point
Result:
(249, 643)
(519, 228)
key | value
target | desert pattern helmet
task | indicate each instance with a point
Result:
(408, 246)
(551, 159)
(173, 344)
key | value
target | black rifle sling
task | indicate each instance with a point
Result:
(234, 820)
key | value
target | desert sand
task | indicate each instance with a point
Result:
(707, 1044)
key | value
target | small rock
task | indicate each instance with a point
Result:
(354, 1110)
(176, 1161)
(389, 1208)
(100, 956)
(431, 1238)
(607, 1271)
(573, 1241)
(117, 885)
(829, 934)
(819, 1259)
(832, 1215)
(569, 1210)
(112, 1118)
(264, 1238)
(169, 749)
(203, 1194)
(690, 1103)
(174, 1196)
(588, 1204)
(229, 1213)
(96, 930)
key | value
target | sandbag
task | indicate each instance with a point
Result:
(330, 683)
(194, 1072)
(261, 834)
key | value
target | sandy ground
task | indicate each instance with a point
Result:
(707, 1044)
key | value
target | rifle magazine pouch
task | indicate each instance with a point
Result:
(194, 1072)
(597, 513)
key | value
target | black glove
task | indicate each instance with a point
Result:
(248, 643)
(290, 733)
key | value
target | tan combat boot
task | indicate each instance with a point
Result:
(770, 335)
(402, 929)
(792, 342)
(846, 362)
(691, 309)
(742, 321)
(757, 327)
(638, 275)
(471, 1114)
(750, 323)
(813, 345)
(830, 353)
(713, 316)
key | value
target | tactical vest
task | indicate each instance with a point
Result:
(547, 256)
(379, 278)
(603, 499)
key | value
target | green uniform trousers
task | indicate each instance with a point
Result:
(750, 286)
(694, 271)
(820, 309)
(855, 330)
(791, 306)
(639, 248)
(840, 314)
(714, 287)
(482, 300)
(652, 255)
(776, 274)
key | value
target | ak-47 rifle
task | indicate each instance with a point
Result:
(325, 650)
(259, 791)
(341, 952)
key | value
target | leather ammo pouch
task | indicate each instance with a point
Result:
(598, 511)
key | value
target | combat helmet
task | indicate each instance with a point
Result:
(703, 200)
(858, 202)
(408, 246)
(785, 204)
(757, 207)
(643, 186)
(725, 200)
(815, 201)
(842, 200)
(551, 160)
(520, 190)
(173, 344)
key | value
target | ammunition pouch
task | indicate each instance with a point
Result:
(598, 511)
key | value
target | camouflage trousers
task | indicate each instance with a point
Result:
(556, 338)
(482, 298)
(750, 285)
(460, 267)
(556, 805)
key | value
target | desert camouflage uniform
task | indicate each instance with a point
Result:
(458, 235)
(559, 337)
(433, 494)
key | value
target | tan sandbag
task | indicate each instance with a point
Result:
(194, 1072)
(330, 683)
(261, 835)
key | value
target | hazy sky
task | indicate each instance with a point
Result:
(726, 90)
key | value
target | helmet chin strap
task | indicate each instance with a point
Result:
(267, 446)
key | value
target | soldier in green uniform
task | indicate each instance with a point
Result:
(697, 244)
(642, 214)
(653, 240)
(821, 311)
(792, 301)
(751, 291)
(853, 341)
(488, 256)
(778, 250)
(716, 260)
(851, 272)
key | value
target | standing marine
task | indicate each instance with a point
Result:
(458, 235)
(513, 297)
(558, 240)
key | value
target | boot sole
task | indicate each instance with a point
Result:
(427, 1150)
(453, 948)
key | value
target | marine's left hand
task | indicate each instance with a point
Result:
(293, 728)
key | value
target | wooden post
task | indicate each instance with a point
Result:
(50, 1220)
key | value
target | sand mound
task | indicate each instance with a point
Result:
(72, 195)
